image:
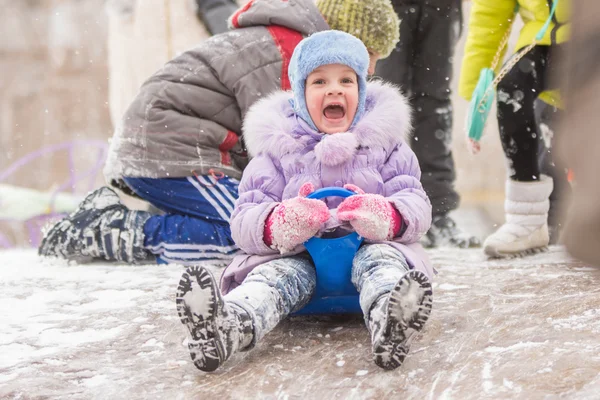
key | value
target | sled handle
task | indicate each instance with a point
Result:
(316, 244)
(330, 192)
(333, 264)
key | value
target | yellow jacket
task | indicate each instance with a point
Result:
(488, 23)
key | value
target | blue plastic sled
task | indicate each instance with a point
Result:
(335, 293)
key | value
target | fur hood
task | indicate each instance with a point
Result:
(271, 126)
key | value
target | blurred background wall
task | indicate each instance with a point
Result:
(54, 83)
(54, 88)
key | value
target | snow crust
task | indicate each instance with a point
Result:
(520, 328)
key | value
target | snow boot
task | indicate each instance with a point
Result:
(100, 228)
(217, 329)
(444, 232)
(395, 319)
(526, 227)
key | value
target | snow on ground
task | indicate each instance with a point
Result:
(526, 328)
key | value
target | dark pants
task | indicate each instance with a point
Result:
(421, 64)
(517, 94)
(527, 125)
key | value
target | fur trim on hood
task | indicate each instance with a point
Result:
(272, 127)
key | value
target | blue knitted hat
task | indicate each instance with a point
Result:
(322, 48)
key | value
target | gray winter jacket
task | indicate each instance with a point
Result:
(188, 115)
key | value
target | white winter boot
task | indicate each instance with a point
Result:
(526, 227)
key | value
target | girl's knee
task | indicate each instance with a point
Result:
(285, 269)
(377, 252)
(374, 256)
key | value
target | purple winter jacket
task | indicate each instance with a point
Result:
(287, 153)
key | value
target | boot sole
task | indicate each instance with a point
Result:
(493, 253)
(206, 346)
(405, 318)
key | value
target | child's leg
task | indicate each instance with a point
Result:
(100, 228)
(395, 300)
(527, 190)
(222, 325)
(397, 67)
(438, 32)
(195, 226)
(274, 290)
(421, 64)
(519, 132)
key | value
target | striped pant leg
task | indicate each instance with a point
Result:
(195, 227)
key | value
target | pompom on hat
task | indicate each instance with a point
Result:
(322, 48)
(373, 21)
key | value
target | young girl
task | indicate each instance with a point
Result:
(334, 129)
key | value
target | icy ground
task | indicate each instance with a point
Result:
(527, 328)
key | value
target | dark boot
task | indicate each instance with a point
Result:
(395, 319)
(444, 232)
(100, 228)
(217, 329)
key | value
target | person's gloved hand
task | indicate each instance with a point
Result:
(295, 220)
(371, 215)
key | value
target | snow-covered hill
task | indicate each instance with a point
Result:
(527, 328)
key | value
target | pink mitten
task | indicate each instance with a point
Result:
(371, 215)
(295, 220)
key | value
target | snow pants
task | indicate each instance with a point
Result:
(195, 226)
(516, 94)
(421, 64)
(526, 125)
(277, 288)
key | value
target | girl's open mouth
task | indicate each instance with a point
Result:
(334, 111)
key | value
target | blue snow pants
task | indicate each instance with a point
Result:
(195, 227)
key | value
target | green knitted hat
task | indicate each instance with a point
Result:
(373, 21)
